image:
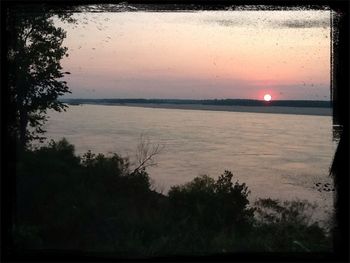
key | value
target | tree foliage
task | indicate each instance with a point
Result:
(99, 203)
(34, 71)
(213, 203)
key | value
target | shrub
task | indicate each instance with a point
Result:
(217, 204)
(69, 200)
(287, 226)
(95, 202)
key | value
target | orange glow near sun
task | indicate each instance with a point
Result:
(267, 97)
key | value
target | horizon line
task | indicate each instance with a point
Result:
(187, 99)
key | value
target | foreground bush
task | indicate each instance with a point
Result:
(71, 202)
(97, 203)
(287, 226)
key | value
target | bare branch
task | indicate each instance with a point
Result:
(145, 153)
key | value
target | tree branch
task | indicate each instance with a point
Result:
(145, 154)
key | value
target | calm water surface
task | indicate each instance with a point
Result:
(276, 155)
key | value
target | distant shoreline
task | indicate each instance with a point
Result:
(316, 111)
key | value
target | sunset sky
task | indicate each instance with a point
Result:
(199, 55)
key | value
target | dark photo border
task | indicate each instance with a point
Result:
(339, 169)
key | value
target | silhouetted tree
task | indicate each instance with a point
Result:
(212, 203)
(34, 71)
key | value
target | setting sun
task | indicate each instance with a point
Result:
(267, 97)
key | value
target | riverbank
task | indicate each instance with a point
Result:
(256, 109)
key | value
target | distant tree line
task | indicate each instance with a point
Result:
(224, 102)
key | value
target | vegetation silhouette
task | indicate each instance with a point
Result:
(34, 70)
(98, 203)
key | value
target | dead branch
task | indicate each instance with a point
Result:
(146, 151)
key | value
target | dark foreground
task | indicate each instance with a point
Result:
(98, 203)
